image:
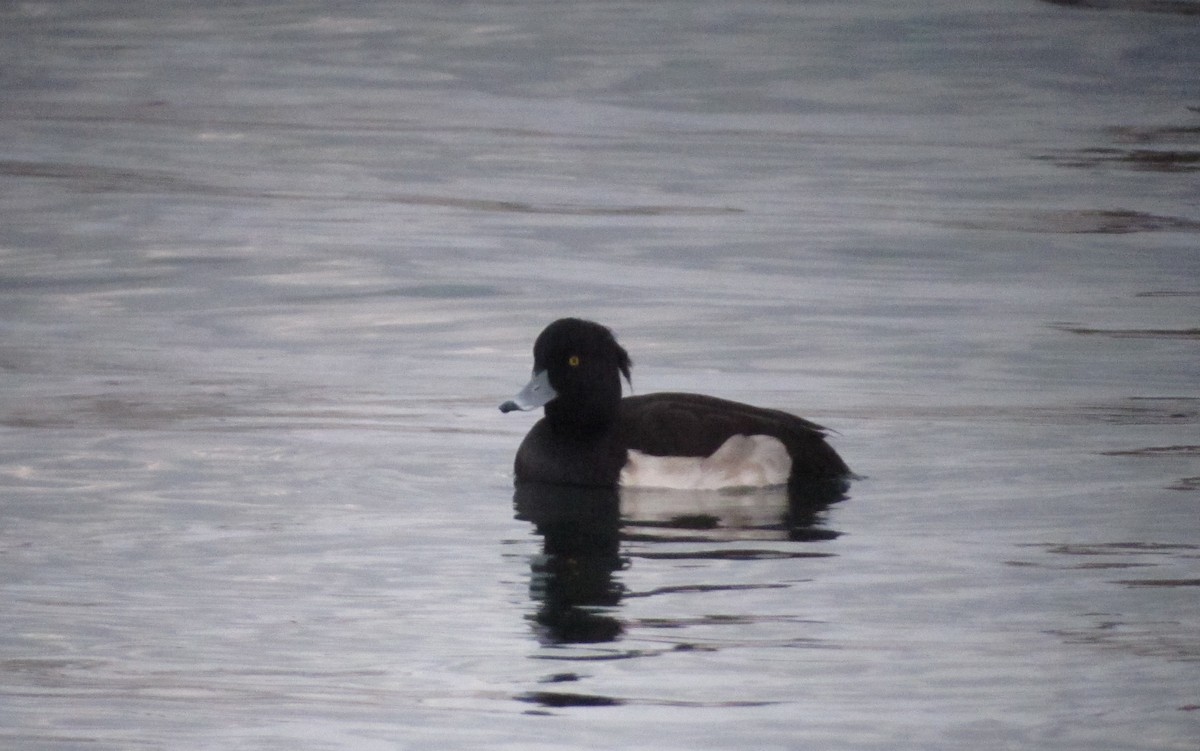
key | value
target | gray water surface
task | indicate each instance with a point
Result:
(266, 270)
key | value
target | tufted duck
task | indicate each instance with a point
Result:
(591, 436)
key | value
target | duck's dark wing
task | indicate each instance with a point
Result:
(669, 424)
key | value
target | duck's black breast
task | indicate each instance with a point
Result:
(565, 457)
(673, 425)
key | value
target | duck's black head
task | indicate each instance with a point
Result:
(577, 369)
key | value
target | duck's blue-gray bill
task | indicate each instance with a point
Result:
(535, 394)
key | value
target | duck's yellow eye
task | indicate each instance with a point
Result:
(573, 361)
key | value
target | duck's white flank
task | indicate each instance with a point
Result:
(742, 461)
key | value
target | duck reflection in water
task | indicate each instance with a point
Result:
(573, 580)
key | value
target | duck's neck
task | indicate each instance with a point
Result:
(586, 413)
(581, 420)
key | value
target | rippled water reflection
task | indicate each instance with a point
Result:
(266, 270)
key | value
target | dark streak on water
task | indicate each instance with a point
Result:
(1176, 7)
(1101, 222)
(102, 180)
(1131, 333)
